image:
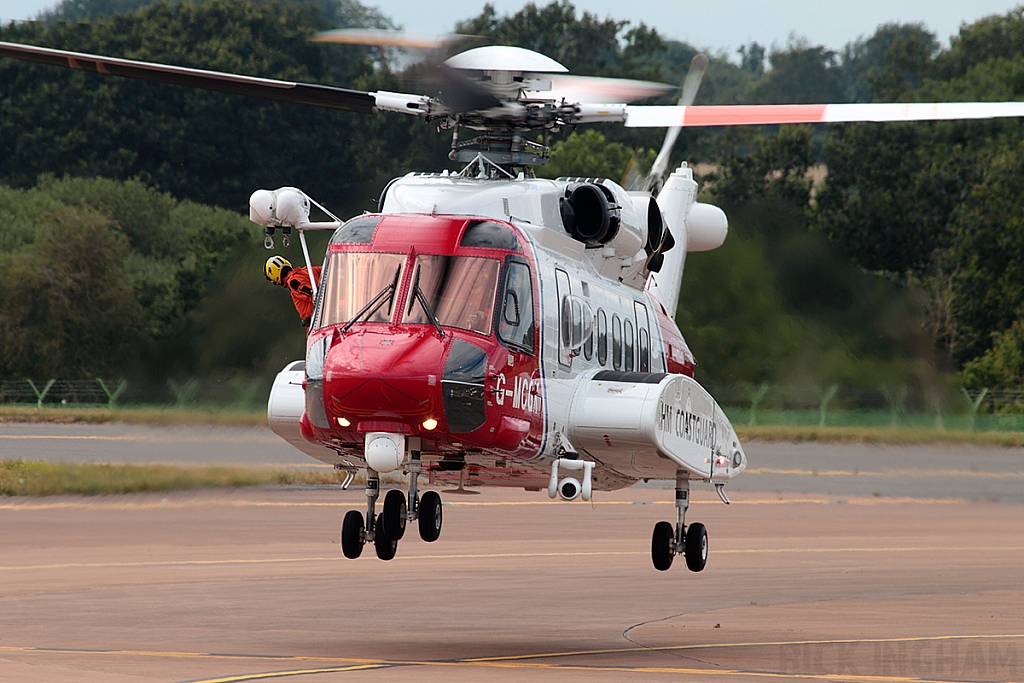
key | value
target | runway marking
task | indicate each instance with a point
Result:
(887, 473)
(106, 504)
(149, 438)
(522, 661)
(486, 556)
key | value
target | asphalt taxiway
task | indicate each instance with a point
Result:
(251, 585)
(858, 584)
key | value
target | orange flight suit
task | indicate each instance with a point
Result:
(297, 282)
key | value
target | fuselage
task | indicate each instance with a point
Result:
(473, 334)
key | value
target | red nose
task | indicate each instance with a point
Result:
(381, 379)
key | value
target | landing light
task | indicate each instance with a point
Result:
(430, 424)
(342, 422)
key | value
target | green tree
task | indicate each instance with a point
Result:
(66, 307)
(1002, 366)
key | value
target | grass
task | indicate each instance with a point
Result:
(33, 478)
(879, 435)
(230, 417)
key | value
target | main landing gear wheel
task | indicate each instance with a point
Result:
(661, 545)
(430, 516)
(385, 546)
(696, 547)
(394, 515)
(352, 534)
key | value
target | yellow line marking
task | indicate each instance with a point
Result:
(298, 672)
(520, 661)
(487, 556)
(887, 473)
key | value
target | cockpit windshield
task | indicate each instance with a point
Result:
(352, 283)
(459, 289)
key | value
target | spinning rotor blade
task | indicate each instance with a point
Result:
(459, 93)
(594, 89)
(691, 84)
(386, 38)
(250, 86)
(772, 114)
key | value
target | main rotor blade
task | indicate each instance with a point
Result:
(596, 89)
(250, 86)
(691, 84)
(773, 114)
(388, 38)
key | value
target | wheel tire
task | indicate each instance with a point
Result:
(430, 516)
(394, 514)
(661, 545)
(385, 546)
(352, 534)
(696, 547)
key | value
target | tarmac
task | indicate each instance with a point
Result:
(846, 563)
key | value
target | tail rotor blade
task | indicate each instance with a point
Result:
(691, 84)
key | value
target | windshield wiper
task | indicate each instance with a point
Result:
(376, 302)
(418, 295)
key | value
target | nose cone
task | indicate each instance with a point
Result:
(373, 376)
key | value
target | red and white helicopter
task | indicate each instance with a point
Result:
(489, 328)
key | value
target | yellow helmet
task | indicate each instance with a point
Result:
(275, 268)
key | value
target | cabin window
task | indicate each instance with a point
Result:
(359, 230)
(359, 284)
(459, 289)
(645, 351)
(588, 347)
(643, 324)
(602, 337)
(564, 316)
(627, 345)
(515, 325)
(616, 342)
(489, 235)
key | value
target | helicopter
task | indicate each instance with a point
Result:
(486, 327)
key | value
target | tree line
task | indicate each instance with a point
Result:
(904, 262)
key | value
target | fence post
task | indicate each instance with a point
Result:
(974, 404)
(896, 397)
(112, 396)
(185, 392)
(755, 396)
(40, 395)
(823, 401)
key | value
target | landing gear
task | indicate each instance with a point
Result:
(394, 514)
(696, 547)
(384, 530)
(692, 542)
(352, 534)
(386, 547)
(661, 546)
(430, 516)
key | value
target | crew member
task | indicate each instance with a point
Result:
(296, 280)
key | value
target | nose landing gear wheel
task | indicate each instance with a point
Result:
(394, 514)
(385, 546)
(430, 516)
(352, 534)
(661, 545)
(696, 547)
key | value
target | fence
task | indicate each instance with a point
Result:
(763, 404)
(249, 393)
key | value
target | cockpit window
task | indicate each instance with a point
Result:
(488, 235)
(356, 231)
(355, 283)
(515, 324)
(459, 289)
